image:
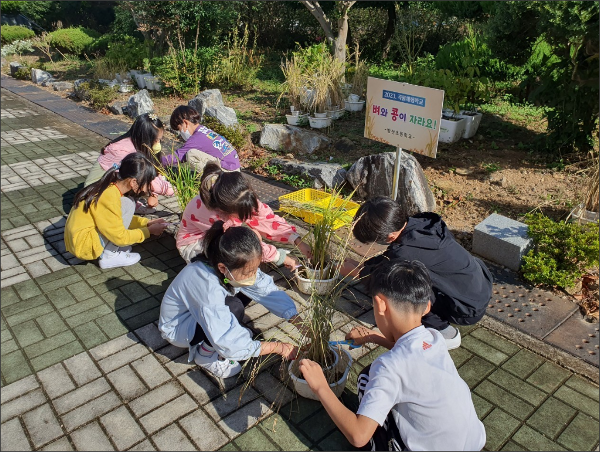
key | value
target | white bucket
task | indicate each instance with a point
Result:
(354, 106)
(472, 123)
(302, 388)
(320, 286)
(335, 114)
(451, 131)
(319, 123)
(295, 120)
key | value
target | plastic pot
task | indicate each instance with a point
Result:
(320, 286)
(354, 106)
(319, 122)
(451, 130)
(302, 388)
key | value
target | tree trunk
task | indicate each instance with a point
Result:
(389, 31)
(340, 41)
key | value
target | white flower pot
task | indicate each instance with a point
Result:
(354, 106)
(319, 122)
(451, 131)
(295, 120)
(335, 114)
(302, 388)
(310, 284)
(473, 119)
(582, 216)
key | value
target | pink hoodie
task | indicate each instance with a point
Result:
(197, 219)
(115, 152)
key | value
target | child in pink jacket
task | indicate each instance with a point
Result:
(227, 196)
(144, 137)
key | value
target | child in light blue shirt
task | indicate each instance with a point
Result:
(204, 306)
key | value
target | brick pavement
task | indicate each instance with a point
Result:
(83, 365)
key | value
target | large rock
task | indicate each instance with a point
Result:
(38, 76)
(118, 108)
(139, 104)
(48, 82)
(14, 67)
(78, 89)
(328, 175)
(373, 175)
(206, 99)
(283, 137)
(225, 115)
(62, 86)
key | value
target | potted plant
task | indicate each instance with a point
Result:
(357, 90)
(318, 277)
(293, 88)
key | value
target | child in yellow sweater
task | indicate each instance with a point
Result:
(101, 224)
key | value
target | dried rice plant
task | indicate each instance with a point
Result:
(591, 193)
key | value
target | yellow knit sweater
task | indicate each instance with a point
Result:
(81, 231)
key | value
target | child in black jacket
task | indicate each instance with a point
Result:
(462, 284)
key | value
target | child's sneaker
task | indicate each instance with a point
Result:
(118, 259)
(452, 336)
(218, 366)
(125, 249)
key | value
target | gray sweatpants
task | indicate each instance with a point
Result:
(127, 211)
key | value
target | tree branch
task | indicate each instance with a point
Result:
(316, 10)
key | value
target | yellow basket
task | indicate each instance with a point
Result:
(306, 198)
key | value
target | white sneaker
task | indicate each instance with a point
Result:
(118, 259)
(218, 366)
(452, 336)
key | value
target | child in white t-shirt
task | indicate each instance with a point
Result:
(411, 398)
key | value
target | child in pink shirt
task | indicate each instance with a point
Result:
(227, 196)
(144, 137)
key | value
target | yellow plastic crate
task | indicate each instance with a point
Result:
(302, 200)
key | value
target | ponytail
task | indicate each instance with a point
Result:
(228, 192)
(134, 166)
(234, 247)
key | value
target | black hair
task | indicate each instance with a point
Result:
(184, 112)
(134, 165)
(228, 192)
(233, 248)
(377, 218)
(143, 134)
(406, 284)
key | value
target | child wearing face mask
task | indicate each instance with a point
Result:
(227, 196)
(102, 225)
(144, 137)
(204, 306)
(202, 145)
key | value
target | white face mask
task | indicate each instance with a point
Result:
(246, 282)
(185, 135)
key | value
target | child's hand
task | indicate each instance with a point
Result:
(313, 374)
(290, 262)
(152, 201)
(360, 335)
(157, 228)
(304, 249)
(288, 351)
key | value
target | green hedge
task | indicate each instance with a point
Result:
(73, 40)
(12, 33)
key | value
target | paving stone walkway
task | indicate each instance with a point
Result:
(84, 368)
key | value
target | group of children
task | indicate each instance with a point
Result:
(410, 398)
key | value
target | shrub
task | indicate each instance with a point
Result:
(73, 40)
(11, 33)
(241, 63)
(97, 94)
(17, 47)
(23, 73)
(234, 135)
(185, 72)
(562, 251)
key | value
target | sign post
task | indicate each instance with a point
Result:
(403, 115)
